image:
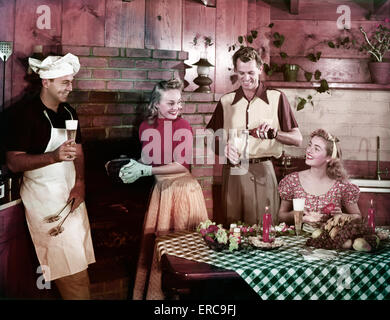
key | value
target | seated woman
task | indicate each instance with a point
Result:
(324, 183)
(177, 201)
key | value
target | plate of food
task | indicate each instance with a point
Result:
(258, 243)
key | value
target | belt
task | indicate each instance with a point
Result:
(258, 160)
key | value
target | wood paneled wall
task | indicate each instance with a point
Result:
(150, 24)
(172, 24)
(315, 24)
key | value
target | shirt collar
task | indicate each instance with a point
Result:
(61, 106)
(261, 93)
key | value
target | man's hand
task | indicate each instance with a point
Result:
(78, 194)
(133, 170)
(262, 131)
(65, 152)
(231, 153)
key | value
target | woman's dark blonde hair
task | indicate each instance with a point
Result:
(335, 169)
(151, 110)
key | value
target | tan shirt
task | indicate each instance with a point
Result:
(271, 106)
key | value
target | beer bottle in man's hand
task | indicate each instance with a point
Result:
(271, 133)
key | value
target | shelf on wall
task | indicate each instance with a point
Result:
(332, 85)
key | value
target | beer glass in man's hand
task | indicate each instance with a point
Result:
(71, 129)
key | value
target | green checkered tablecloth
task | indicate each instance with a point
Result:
(284, 274)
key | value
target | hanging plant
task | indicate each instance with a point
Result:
(278, 41)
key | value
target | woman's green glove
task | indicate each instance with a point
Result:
(133, 170)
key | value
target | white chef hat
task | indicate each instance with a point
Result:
(55, 66)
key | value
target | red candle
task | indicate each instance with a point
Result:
(267, 221)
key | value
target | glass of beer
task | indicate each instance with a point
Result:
(298, 205)
(71, 129)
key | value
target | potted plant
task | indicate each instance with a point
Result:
(377, 45)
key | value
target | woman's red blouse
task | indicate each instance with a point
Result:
(165, 137)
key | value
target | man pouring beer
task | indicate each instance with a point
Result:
(53, 177)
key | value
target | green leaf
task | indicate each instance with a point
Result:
(311, 57)
(271, 25)
(318, 55)
(279, 42)
(301, 104)
(331, 44)
(254, 34)
(346, 40)
(277, 35)
(240, 39)
(308, 75)
(249, 39)
(283, 55)
(281, 39)
(323, 87)
(317, 74)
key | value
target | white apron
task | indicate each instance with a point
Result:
(44, 192)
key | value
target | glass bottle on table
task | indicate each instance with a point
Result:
(371, 216)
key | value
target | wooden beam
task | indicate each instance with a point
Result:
(294, 6)
(163, 24)
(125, 24)
(231, 22)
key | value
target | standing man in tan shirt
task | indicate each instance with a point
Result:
(253, 106)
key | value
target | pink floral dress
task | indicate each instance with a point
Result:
(340, 194)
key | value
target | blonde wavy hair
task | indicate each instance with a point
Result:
(335, 169)
(151, 111)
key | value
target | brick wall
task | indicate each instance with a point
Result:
(114, 84)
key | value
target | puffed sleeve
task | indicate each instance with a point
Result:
(285, 188)
(350, 193)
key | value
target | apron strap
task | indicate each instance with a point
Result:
(71, 116)
(47, 116)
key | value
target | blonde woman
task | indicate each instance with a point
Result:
(324, 183)
(177, 201)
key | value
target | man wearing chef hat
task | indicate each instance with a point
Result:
(53, 177)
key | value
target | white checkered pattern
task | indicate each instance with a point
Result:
(283, 273)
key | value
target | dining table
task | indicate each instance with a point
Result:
(285, 273)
